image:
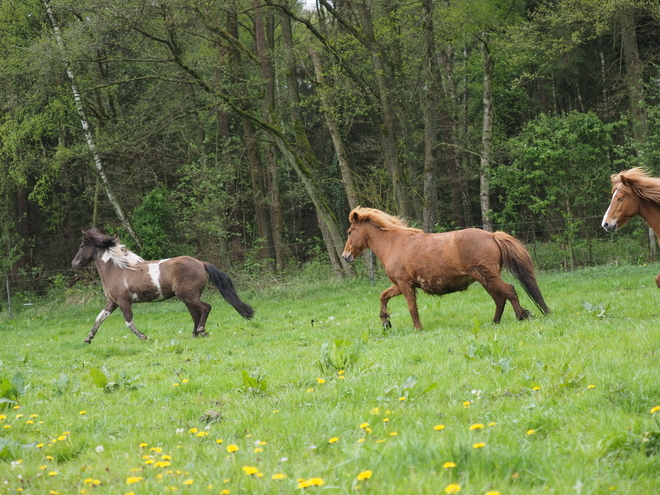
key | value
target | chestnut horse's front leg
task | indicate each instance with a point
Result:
(385, 296)
(110, 306)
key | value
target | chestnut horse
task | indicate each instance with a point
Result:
(441, 263)
(127, 278)
(634, 192)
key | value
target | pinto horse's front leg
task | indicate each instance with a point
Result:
(110, 306)
(128, 316)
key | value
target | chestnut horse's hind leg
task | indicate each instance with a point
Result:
(385, 296)
(500, 291)
(110, 306)
(199, 310)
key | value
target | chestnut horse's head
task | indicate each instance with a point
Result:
(629, 188)
(361, 219)
(92, 239)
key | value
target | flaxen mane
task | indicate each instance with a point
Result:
(638, 182)
(114, 250)
(380, 219)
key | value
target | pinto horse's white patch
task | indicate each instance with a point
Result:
(154, 273)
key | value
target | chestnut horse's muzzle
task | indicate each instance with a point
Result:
(609, 226)
(348, 256)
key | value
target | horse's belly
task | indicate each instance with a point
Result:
(439, 286)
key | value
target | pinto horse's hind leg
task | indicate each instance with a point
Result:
(199, 310)
(500, 291)
(110, 306)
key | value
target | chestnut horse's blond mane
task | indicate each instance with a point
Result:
(380, 219)
(637, 181)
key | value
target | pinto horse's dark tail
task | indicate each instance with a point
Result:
(226, 287)
(517, 260)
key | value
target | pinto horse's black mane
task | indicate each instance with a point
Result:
(116, 251)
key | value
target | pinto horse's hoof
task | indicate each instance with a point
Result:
(200, 334)
(387, 325)
(87, 341)
(525, 315)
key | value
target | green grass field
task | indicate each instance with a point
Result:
(312, 395)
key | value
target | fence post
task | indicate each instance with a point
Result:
(11, 316)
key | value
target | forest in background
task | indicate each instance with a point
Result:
(243, 131)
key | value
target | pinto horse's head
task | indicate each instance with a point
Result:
(629, 188)
(92, 239)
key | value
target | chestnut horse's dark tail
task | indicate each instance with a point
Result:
(517, 260)
(226, 287)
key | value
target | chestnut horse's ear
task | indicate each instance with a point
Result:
(354, 217)
(624, 180)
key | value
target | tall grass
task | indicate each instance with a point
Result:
(315, 392)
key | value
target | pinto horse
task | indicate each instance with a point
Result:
(441, 263)
(127, 278)
(634, 192)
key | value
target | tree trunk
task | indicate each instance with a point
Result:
(634, 76)
(429, 102)
(333, 129)
(388, 126)
(265, 45)
(487, 132)
(119, 210)
(256, 166)
(327, 221)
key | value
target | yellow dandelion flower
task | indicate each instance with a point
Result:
(6, 427)
(258, 450)
(402, 398)
(361, 440)
(479, 445)
(467, 403)
(189, 482)
(310, 390)
(476, 426)
(342, 377)
(531, 432)
(364, 425)
(333, 440)
(341, 372)
(655, 409)
(51, 492)
(158, 450)
(276, 411)
(375, 411)
(453, 488)
(82, 412)
(40, 445)
(449, 464)
(261, 442)
(386, 420)
(315, 482)
(29, 422)
(61, 438)
(249, 470)
(232, 448)
(142, 445)
(201, 434)
(34, 415)
(175, 384)
(19, 416)
(162, 464)
(225, 492)
(53, 473)
(166, 457)
(591, 386)
(218, 441)
(536, 388)
(393, 434)
(492, 423)
(439, 427)
(193, 430)
(320, 380)
(364, 475)
(493, 492)
(185, 380)
(278, 476)
(2, 417)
